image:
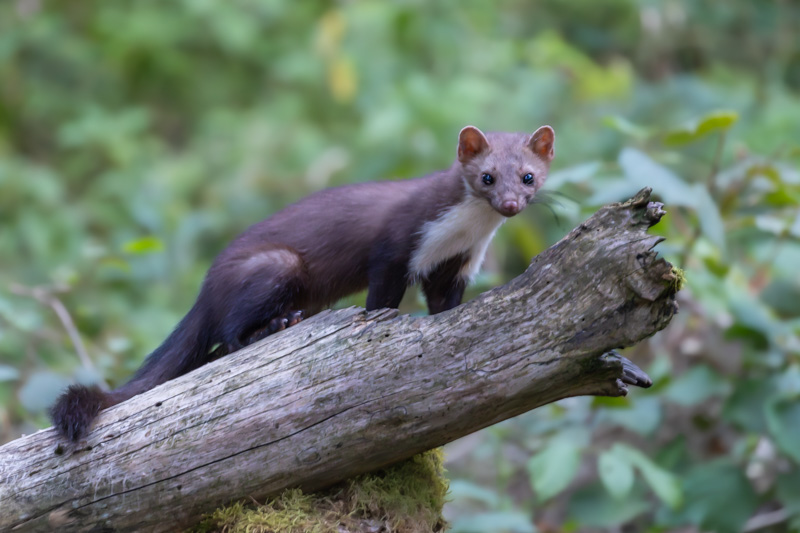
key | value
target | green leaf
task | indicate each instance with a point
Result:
(745, 407)
(661, 369)
(41, 390)
(679, 137)
(593, 507)
(751, 314)
(616, 472)
(526, 242)
(782, 197)
(674, 453)
(696, 386)
(663, 483)
(772, 224)
(552, 469)
(613, 191)
(788, 383)
(26, 319)
(641, 414)
(145, 245)
(714, 121)
(8, 373)
(710, 218)
(642, 171)
(498, 521)
(625, 126)
(794, 229)
(783, 420)
(788, 491)
(611, 402)
(666, 486)
(719, 497)
(461, 489)
(575, 174)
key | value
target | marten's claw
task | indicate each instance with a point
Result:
(294, 317)
(277, 324)
(282, 322)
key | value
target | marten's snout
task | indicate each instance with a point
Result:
(509, 208)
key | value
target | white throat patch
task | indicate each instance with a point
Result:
(465, 228)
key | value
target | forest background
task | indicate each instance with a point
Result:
(138, 138)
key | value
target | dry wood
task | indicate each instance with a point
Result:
(348, 391)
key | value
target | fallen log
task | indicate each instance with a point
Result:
(346, 392)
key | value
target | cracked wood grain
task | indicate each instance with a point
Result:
(346, 392)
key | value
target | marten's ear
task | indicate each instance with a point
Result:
(542, 141)
(471, 142)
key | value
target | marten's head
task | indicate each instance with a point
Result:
(506, 169)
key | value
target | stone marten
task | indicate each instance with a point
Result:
(382, 236)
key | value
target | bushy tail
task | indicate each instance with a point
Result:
(74, 410)
(185, 349)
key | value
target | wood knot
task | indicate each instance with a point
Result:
(309, 456)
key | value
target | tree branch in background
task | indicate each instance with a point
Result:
(47, 297)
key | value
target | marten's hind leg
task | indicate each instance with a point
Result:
(260, 292)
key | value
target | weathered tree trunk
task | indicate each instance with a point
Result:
(347, 391)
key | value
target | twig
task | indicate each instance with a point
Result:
(765, 520)
(46, 297)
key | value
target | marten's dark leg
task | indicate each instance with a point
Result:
(444, 286)
(387, 285)
(255, 293)
(387, 275)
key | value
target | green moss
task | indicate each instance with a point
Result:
(411, 492)
(403, 498)
(679, 278)
(291, 511)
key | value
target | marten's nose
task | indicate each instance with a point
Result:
(510, 207)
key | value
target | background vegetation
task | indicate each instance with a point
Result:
(138, 138)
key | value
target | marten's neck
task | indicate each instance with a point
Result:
(464, 227)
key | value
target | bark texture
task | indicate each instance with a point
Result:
(346, 392)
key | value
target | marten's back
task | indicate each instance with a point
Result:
(334, 231)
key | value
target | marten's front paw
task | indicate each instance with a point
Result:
(294, 317)
(275, 325)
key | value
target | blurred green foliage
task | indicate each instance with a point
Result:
(138, 138)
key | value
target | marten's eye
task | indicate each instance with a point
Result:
(487, 179)
(527, 179)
